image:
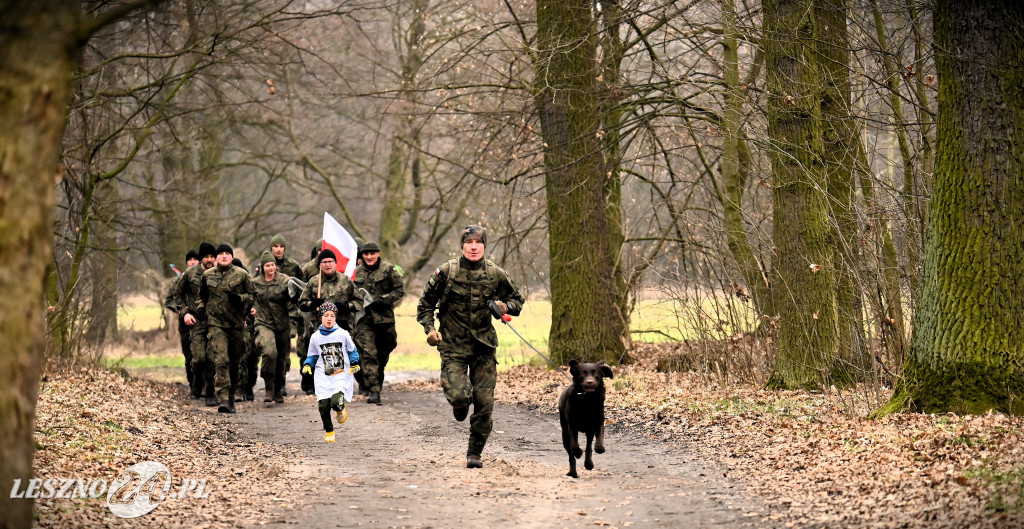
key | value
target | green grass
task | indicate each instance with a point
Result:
(1006, 488)
(653, 320)
(142, 315)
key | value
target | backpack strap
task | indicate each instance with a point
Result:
(453, 270)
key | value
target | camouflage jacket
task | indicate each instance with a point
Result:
(184, 295)
(169, 301)
(309, 270)
(272, 301)
(463, 314)
(226, 295)
(289, 267)
(336, 288)
(384, 283)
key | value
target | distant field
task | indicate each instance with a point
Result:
(660, 319)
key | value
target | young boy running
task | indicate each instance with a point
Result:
(332, 360)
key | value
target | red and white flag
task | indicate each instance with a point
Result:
(342, 244)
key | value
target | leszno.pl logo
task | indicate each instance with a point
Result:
(137, 491)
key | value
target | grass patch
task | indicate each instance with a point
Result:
(656, 320)
(1006, 488)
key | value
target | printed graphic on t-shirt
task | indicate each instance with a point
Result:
(334, 362)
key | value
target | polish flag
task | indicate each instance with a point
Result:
(342, 244)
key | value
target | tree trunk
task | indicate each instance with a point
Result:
(967, 349)
(586, 319)
(734, 173)
(839, 137)
(104, 265)
(38, 50)
(610, 110)
(806, 282)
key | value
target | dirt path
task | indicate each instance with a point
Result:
(403, 465)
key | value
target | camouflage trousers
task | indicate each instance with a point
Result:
(227, 347)
(274, 347)
(250, 362)
(468, 377)
(375, 343)
(185, 337)
(203, 367)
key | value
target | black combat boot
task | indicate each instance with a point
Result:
(231, 401)
(460, 413)
(268, 391)
(374, 398)
(474, 461)
(226, 406)
(248, 395)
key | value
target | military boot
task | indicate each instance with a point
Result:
(211, 394)
(474, 461)
(231, 401)
(374, 398)
(248, 395)
(268, 391)
(226, 406)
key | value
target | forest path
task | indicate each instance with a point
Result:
(403, 465)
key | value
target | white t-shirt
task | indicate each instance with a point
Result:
(333, 350)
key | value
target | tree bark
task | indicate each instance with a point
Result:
(38, 50)
(806, 282)
(967, 348)
(586, 318)
(839, 137)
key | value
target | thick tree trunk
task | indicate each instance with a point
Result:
(967, 349)
(840, 141)
(806, 284)
(610, 110)
(38, 49)
(586, 318)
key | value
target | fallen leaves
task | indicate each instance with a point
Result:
(813, 457)
(93, 424)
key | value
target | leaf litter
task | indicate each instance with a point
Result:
(813, 458)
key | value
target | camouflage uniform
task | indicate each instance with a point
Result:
(171, 302)
(469, 340)
(336, 288)
(308, 271)
(273, 330)
(375, 334)
(186, 298)
(226, 319)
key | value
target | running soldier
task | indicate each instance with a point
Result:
(226, 296)
(380, 283)
(460, 291)
(185, 297)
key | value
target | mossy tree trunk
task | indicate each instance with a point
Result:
(38, 50)
(734, 167)
(610, 111)
(805, 286)
(586, 316)
(840, 142)
(967, 348)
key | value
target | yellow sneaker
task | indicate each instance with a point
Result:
(329, 437)
(342, 415)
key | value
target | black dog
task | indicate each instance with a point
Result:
(581, 409)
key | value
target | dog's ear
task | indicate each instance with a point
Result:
(574, 367)
(607, 371)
